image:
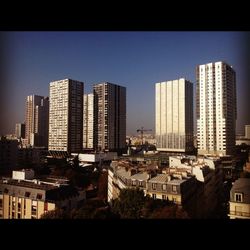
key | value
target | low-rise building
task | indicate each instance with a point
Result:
(239, 205)
(29, 199)
(193, 183)
(8, 153)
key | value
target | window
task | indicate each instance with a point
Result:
(174, 188)
(39, 196)
(27, 194)
(164, 197)
(133, 183)
(45, 206)
(34, 208)
(1, 203)
(238, 197)
(164, 187)
(154, 196)
(140, 183)
(154, 185)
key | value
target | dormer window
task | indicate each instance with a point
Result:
(238, 197)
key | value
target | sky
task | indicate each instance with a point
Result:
(136, 60)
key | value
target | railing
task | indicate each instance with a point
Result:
(240, 213)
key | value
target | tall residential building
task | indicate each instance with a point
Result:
(88, 120)
(66, 116)
(216, 108)
(36, 120)
(109, 117)
(247, 131)
(20, 130)
(174, 115)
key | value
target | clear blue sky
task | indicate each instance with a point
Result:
(136, 60)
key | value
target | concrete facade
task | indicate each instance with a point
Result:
(174, 115)
(109, 117)
(66, 116)
(216, 109)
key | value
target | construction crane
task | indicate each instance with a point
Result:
(141, 130)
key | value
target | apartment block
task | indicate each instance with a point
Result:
(30, 198)
(36, 120)
(88, 121)
(109, 117)
(216, 108)
(239, 205)
(66, 116)
(174, 115)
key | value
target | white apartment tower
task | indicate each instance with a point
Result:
(88, 120)
(36, 120)
(247, 131)
(66, 116)
(174, 116)
(216, 108)
(109, 117)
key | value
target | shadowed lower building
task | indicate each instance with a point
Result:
(174, 116)
(240, 199)
(22, 199)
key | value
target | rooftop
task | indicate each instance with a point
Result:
(140, 176)
(162, 178)
(242, 185)
(28, 184)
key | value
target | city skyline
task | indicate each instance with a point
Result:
(134, 59)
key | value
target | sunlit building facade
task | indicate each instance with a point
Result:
(66, 116)
(88, 121)
(174, 115)
(216, 108)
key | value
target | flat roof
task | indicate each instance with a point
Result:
(28, 184)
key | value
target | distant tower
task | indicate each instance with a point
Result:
(174, 116)
(88, 121)
(20, 130)
(36, 120)
(247, 131)
(66, 116)
(109, 117)
(216, 108)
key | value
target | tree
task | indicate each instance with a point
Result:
(55, 214)
(129, 204)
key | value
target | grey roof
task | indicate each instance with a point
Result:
(143, 176)
(123, 173)
(242, 185)
(161, 178)
(176, 181)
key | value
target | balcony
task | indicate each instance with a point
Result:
(242, 214)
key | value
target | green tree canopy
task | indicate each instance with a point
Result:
(129, 204)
